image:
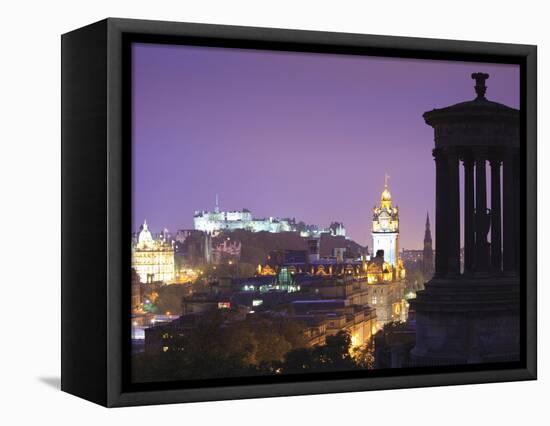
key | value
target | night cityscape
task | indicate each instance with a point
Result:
(289, 216)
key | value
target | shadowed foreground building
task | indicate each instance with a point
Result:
(315, 320)
(473, 316)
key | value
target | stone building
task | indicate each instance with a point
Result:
(153, 260)
(385, 292)
(136, 293)
(225, 250)
(335, 316)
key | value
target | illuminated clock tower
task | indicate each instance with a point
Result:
(385, 227)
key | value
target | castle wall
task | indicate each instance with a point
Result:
(221, 221)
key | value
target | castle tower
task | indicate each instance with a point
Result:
(428, 254)
(385, 227)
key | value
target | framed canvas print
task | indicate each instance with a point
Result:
(252, 212)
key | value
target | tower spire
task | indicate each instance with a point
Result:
(427, 232)
(385, 228)
(428, 253)
(385, 198)
(217, 207)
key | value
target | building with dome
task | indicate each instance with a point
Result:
(385, 227)
(153, 259)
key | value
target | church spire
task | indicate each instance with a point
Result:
(428, 253)
(427, 232)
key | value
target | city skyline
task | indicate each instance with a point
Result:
(288, 134)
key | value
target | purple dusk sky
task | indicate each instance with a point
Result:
(288, 134)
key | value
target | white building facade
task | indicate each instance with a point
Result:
(153, 260)
(385, 228)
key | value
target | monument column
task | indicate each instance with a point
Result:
(440, 212)
(517, 201)
(469, 227)
(453, 213)
(509, 219)
(481, 215)
(496, 232)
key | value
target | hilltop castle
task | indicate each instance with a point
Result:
(217, 220)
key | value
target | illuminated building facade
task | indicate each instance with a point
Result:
(411, 256)
(385, 272)
(153, 260)
(329, 317)
(136, 294)
(386, 290)
(226, 250)
(385, 227)
(317, 319)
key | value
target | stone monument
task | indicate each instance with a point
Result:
(470, 313)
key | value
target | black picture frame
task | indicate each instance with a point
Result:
(96, 209)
